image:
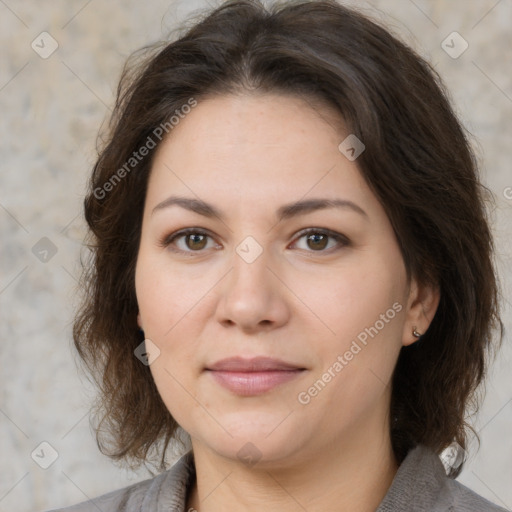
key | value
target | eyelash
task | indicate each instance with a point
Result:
(167, 240)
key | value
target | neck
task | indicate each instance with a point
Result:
(344, 476)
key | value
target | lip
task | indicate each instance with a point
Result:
(253, 364)
(255, 376)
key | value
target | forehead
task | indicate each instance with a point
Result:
(265, 148)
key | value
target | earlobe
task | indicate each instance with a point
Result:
(139, 321)
(422, 306)
(415, 333)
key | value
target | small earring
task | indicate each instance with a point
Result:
(415, 333)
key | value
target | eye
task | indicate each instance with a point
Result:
(187, 240)
(194, 240)
(317, 240)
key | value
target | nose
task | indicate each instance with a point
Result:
(253, 298)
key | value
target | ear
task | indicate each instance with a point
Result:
(421, 307)
(139, 321)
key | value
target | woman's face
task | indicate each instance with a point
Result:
(270, 270)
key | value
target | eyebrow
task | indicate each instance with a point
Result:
(285, 212)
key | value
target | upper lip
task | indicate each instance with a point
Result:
(255, 364)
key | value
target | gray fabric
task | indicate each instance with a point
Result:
(420, 485)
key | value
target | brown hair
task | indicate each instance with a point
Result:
(417, 161)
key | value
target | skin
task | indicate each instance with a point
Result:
(297, 301)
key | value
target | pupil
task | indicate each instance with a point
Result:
(315, 238)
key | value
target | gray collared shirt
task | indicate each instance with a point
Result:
(420, 485)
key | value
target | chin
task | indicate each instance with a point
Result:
(256, 440)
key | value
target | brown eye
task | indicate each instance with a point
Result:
(187, 241)
(317, 241)
(321, 240)
(195, 241)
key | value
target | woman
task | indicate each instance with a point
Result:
(291, 265)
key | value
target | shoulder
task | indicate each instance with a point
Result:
(460, 498)
(127, 499)
(166, 491)
(421, 484)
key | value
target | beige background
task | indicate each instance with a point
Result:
(51, 111)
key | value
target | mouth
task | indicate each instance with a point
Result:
(251, 377)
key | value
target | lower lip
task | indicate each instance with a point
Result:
(253, 383)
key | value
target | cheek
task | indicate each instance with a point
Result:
(169, 304)
(166, 295)
(364, 309)
(176, 389)
(357, 297)
(165, 306)
(168, 310)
